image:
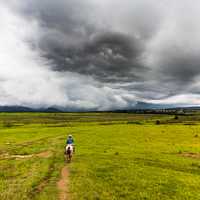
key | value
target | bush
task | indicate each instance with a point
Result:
(134, 122)
(7, 124)
(180, 151)
(157, 122)
(176, 117)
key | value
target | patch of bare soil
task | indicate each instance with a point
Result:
(63, 184)
(21, 156)
(3, 155)
(191, 155)
(45, 154)
(7, 156)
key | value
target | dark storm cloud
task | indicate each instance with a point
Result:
(107, 57)
(74, 42)
(144, 48)
(181, 68)
(62, 24)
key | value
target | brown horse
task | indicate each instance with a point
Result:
(69, 152)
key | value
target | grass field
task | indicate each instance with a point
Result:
(118, 156)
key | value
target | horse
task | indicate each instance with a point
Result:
(69, 152)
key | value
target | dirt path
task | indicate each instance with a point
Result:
(44, 154)
(191, 155)
(63, 184)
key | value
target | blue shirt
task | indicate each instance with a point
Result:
(70, 141)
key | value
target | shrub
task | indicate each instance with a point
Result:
(134, 122)
(157, 122)
(180, 151)
(7, 124)
(176, 117)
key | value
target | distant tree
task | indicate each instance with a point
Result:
(157, 122)
(7, 124)
(176, 117)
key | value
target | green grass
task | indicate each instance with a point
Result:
(118, 156)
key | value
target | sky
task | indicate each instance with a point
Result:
(99, 54)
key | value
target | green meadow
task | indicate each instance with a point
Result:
(118, 156)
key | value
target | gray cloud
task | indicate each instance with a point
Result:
(107, 57)
(141, 50)
(76, 43)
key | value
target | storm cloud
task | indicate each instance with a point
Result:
(99, 55)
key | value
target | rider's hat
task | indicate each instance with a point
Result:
(70, 136)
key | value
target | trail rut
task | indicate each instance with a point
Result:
(63, 184)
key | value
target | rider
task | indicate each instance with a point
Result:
(70, 141)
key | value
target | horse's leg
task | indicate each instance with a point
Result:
(68, 157)
(71, 156)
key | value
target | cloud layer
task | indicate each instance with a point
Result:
(99, 55)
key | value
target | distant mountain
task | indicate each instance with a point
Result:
(27, 109)
(139, 106)
(50, 109)
(143, 106)
(15, 109)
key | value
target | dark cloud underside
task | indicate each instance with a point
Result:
(126, 50)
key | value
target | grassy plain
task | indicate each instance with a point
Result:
(118, 156)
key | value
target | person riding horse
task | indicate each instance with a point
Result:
(70, 140)
(69, 149)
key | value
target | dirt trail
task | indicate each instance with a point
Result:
(63, 184)
(191, 155)
(44, 154)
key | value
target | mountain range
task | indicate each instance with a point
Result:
(138, 106)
